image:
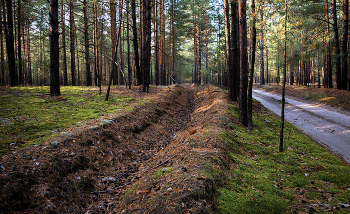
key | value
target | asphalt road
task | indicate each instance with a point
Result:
(326, 127)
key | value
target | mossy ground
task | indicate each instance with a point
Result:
(29, 115)
(303, 178)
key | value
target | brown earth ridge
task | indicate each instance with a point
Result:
(163, 157)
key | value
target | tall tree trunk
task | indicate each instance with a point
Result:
(337, 48)
(195, 43)
(162, 43)
(128, 43)
(328, 69)
(251, 74)
(146, 44)
(135, 43)
(121, 29)
(235, 48)
(244, 63)
(344, 66)
(87, 47)
(229, 57)
(267, 65)
(156, 41)
(284, 77)
(72, 44)
(206, 45)
(65, 75)
(113, 38)
(30, 78)
(10, 48)
(2, 50)
(54, 50)
(173, 40)
(19, 43)
(262, 66)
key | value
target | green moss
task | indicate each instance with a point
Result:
(266, 181)
(29, 115)
(162, 172)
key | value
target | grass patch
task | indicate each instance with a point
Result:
(30, 115)
(305, 175)
(162, 172)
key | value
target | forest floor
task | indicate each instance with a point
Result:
(180, 149)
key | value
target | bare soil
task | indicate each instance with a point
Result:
(154, 159)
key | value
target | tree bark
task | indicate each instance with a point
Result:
(146, 44)
(235, 48)
(72, 44)
(19, 43)
(54, 50)
(2, 50)
(113, 38)
(87, 47)
(128, 44)
(10, 48)
(284, 77)
(244, 63)
(229, 67)
(65, 75)
(135, 43)
(262, 66)
(251, 74)
(337, 49)
(344, 66)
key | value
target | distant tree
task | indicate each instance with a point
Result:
(54, 50)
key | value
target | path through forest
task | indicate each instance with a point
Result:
(327, 127)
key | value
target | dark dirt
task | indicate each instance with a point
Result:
(163, 157)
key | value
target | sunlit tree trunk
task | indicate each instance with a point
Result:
(262, 66)
(284, 77)
(54, 50)
(251, 72)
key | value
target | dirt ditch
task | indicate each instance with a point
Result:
(163, 157)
